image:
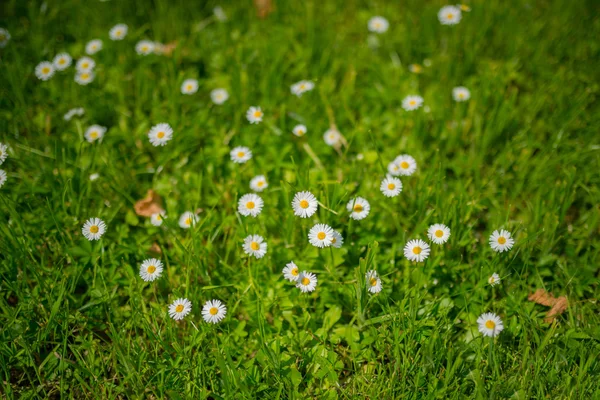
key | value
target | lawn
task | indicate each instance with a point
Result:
(521, 154)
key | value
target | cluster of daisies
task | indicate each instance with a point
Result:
(3, 157)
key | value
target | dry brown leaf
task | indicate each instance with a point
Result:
(263, 8)
(542, 297)
(155, 248)
(559, 305)
(151, 204)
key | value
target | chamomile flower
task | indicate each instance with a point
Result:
(240, 155)
(305, 204)
(94, 132)
(2, 177)
(299, 130)
(250, 205)
(151, 269)
(407, 164)
(160, 134)
(307, 282)
(44, 70)
(394, 169)
(93, 229)
(373, 282)
(410, 103)
(73, 112)
(85, 64)
(93, 46)
(259, 183)
(83, 78)
(461, 93)
(378, 24)
(320, 235)
(118, 32)
(415, 68)
(3, 152)
(255, 245)
(494, 279)
(157, 219)
(438, 233)
(390, 186)
(501, 241)
(332, 137)
(291, 272)
(4, 37)
(219, 96)
(338, 240)
(416, 250)
(359, 208)
(254, 115)
(144, 47)
(62, 61)
(187, 220)
(179, 309)
(449, 15)
(301, 87)
(490, 324)
(214, 311)
(189, 86)
(94, 176)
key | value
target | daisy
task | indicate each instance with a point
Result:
(250, 205)
(44, 70)
(94, 132)
(3, 152)
(291, 272)
(254, 115)
(416, 250)
(189, 86)
(410, 103)
(160, 134)
(394, 169)
(94, 176)
(240, 155)
(449, 15)
(259, 183)
(255, 245)
(337, 240)
(2, 177)
(214, 311)
(302, 87)
(83, 78)
(219, 14)
(307, 282)
(85, 64)
(144, 47)
(151, 269)
(461, 93)
(390, 186)
(373, 282)
(62, 61)
(118, 32)
(299, 130)
(494, 279)
(438, 233)
(415, 68)
(187, 220)
(4, 37)
(490, 324)
(501, 241)
(305, 204)
(179, 309)
(93, 229)
(332, 137)
(378, 24)
(73, 112)
(219, 96)
(320, 235)
(359, 208)
(156, 219)
(407, 164)
(93, 46)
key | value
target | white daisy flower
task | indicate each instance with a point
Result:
(94, 176)
(373, 282)
(410, 103)
(407, 164)
(255, 245)
(160, 134)
(415, 68)
(3, 153)
(378, 24)
(93, 229)
(250, 205)
(301, 87)
(189, 86)
(151, 269)
(338, 240)
(359, 208)
(394, 169)
(187, 220)
(219, 96)
(461, 93)
(416, 250)
(259, 183)
(494, 279)
(73, 112)
(83, 78)
(240, 155)
(305, 204)
(219, 14)
(490, 324)
(214, 311)
(299, 130)
(4, 37)
(307, 282)
(3, 177)
(144, 47)
(449, 15)
(438, 233)
(320, 235)
(332, 137)
(291, 272)
(85, 64)
(44, 70)
(501, 241)
(254, 115)
(390, 186)
(93, 46)
(179, 309)
(157, 219)
(118, 32)
(94, 132)
(62, 61)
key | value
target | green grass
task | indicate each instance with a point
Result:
(522, 154)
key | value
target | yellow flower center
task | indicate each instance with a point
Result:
(160, 135)
(404, 165)
(118, 33)
(151, 269)
(45, 70)
(241, 154)
(85, 65)
(94, 135)
(377, 25)
(321, 235)
(94, 229)
(450, 15)
(213, 311)
(189, 87)
(305, 281)
(294, 271)
(461, 95)
(303, 203)
(250, 205)
(501, 240)
(260, 184)
(144, 48)
(61, 61)
(84, 76)
(257, 114)
(302, 87)
(391, 186)
(158, 217)
(179, 308)
(254, 246)
(358, 207)
(300, 132)
(490, 324)
(417, 250)
(333, 240)
(188, 221)
(412, 102)
(439, 233)
(373, 281)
